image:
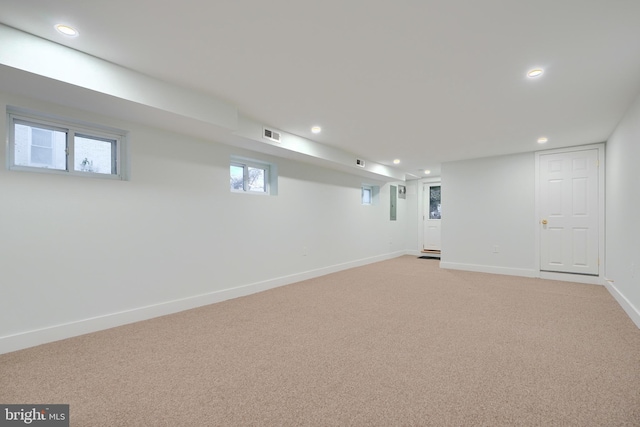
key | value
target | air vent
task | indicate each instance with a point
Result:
(360, 162)
(271, 135)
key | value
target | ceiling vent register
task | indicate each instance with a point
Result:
(271, 135)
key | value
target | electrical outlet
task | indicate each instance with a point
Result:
(496, 249)
(305, 252)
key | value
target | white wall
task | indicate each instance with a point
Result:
(489, 202)
(80, 254)
(623, 212)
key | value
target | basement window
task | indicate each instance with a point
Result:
(252, 176)
(369, 194)
(41, 143)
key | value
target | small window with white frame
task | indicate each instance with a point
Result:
(249, 176)
(369, 194)
(44, 143)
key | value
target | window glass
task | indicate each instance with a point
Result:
(93, 154)
(366, 196)
(237, 177)
(39, 147)
(434, 203)
(256, 181)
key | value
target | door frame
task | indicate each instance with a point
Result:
(599, 279)
(422, 182)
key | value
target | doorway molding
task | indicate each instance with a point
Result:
(569, 277)
(421, 183)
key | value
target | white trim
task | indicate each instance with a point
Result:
(522, 272)
(568, 277)
(632, 312)
(67, 330)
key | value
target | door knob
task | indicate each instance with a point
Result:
(544, 222)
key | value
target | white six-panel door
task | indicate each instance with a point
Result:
(569, 212)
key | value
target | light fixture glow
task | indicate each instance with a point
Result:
(396, 161)
(536, 72)
(542, 139)
(66, 30)
(316, 129)
(427, 172)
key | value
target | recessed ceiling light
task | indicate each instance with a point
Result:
(66, 30)
(316, 129)
(536, 72)
(396, 161)
(542, 139)
(427, 172)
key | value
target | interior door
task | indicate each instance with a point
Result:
(432, 214)
(569, 212)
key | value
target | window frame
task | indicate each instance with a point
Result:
(368, 188)
(72, 129)
(374, 194)
(245, 164)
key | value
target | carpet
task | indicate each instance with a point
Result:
(395, 343)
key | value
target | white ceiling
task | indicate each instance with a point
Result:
(425, 81)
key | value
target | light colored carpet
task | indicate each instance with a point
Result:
(396, 343)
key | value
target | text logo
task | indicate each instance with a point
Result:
(34, 415)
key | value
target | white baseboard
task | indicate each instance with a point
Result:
(632, 312)
(626, 305)
(523, 272)
(575, 278)
(67, 330)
